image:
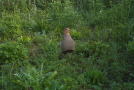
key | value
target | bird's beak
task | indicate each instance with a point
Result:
(69, 29)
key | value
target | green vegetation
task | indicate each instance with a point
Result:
(30, 35)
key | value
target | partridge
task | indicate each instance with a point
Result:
(67, 44)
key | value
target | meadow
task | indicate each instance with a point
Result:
(30, 36)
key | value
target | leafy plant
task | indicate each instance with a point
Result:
(75, 35)
(12, 52)
(30, 35)
(36, 79)
(93, 48)
(130, 48)
(9, 27)
(94, 77)
(24, 40)
(50, 49)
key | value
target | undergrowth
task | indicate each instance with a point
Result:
(30, 36)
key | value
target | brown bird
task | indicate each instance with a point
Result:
(67, 44)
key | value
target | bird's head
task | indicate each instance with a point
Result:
(66, 30)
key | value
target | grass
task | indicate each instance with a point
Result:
(30, 36)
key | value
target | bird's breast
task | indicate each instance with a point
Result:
(67, 44)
